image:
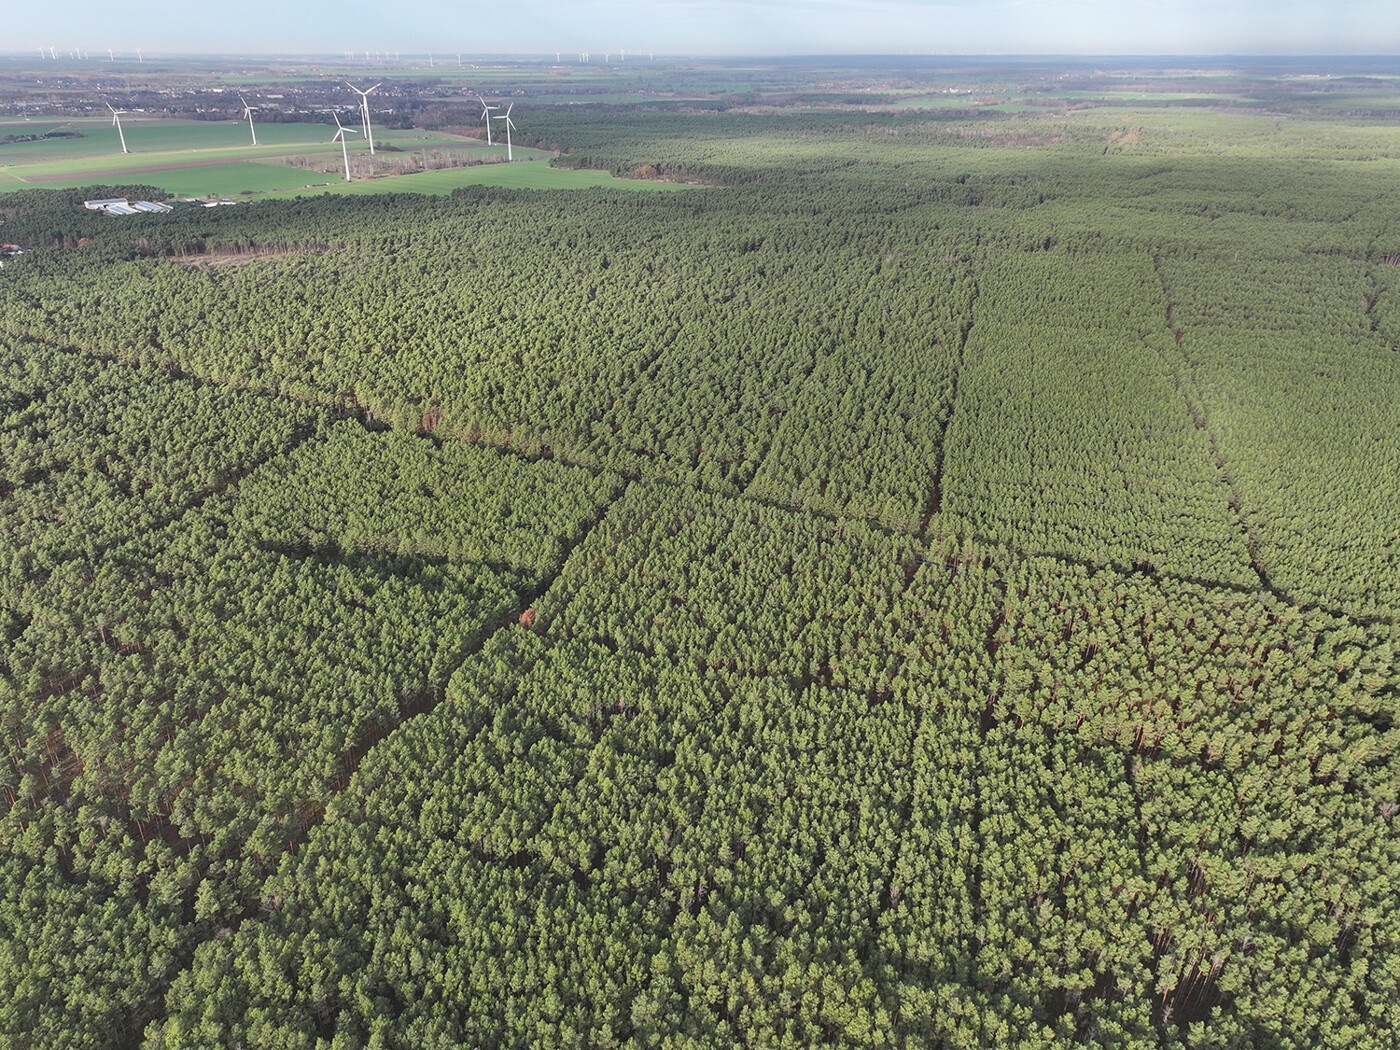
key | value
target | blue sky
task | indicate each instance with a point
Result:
(717, 26)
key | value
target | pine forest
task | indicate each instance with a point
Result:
(930, 580)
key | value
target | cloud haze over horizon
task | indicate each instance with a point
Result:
(723, 27)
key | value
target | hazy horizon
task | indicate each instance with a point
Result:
(720, 28)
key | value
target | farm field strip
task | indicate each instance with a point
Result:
(147, 135)
(524, 176)
(238, 166)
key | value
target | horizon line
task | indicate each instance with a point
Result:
(401, 55)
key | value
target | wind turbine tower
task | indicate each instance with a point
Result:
(364, 112)
(117, 123)
(340, 131)
(248, 112)
(510, 124)
(486, 116)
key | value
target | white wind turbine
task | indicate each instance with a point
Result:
(510, 124)
(341, 129)
(364, 112)
(486, 116)
(248, 112)
(117, 123)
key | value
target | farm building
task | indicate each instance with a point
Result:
(121, 206)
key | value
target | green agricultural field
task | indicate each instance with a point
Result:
(939, 101)
(197, 158)
(520, 175)
(1129, 96)
(149, 136)
(583, 97)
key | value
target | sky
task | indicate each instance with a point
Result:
(714, 27)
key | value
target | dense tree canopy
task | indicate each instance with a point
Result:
(933, 585)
